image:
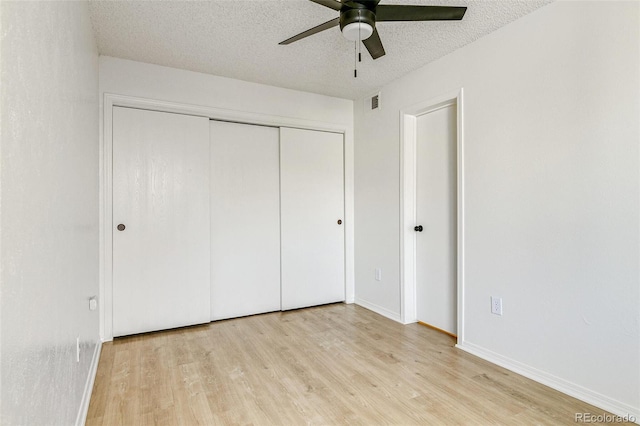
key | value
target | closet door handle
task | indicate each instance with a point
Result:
(418, 228)
(339, 221)
(121, 227)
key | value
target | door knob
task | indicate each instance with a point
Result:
(418, 228)
(121, 227)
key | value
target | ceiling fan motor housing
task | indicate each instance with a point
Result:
(357, 24)
(351, 16)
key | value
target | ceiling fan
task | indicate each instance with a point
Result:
(358, 20)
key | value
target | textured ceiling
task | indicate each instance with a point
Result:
(239, 39)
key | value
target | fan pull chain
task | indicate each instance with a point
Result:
(359, 39)
(355, 62)
(356, 50)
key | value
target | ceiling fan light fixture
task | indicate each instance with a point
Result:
(357, 31)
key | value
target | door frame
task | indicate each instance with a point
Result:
(408, 212)
(106, 179)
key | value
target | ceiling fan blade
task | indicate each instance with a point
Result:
(374, 45)
(329, 24)
(331, 4)
(419, 13)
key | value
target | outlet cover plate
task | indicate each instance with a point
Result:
(496, 305)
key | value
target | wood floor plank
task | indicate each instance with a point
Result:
(329, 365)
(101, 384)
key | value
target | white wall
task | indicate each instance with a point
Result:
(124, 77)
(551, 128)
(147, 81)
(49, 210)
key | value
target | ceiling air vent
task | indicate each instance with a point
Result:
(372, 102)
(375, 101)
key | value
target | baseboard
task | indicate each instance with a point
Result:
(379, 310)
(594, 398)
(88, 388)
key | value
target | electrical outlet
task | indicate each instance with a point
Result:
(378, 274)
(496, 305)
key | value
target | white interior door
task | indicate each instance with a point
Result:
(245, 220)
(312, 204)
(436, 204)
(161, 196)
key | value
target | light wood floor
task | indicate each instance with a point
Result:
(329, 365)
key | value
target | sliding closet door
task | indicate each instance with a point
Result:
(312, 214)
(245, 220)
(160, 220)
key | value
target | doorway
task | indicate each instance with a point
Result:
(432, 214)
(436, 218)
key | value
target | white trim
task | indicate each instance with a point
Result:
(88, 387)
(379, 310)
(349, 213)
(408, 135)
(106, 246)
(554, 382)
(106, 217)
